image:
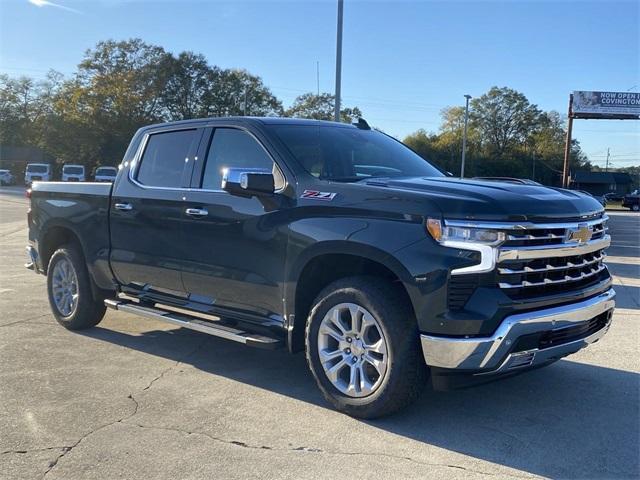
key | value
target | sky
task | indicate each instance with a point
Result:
(402, 61)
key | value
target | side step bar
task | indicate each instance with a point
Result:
(204, 326)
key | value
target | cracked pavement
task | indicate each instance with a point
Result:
(136, 398)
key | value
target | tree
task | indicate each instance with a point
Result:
(24, 105)
(507, 136)
(504, 119)
(320, 107)
(189, 90)
(240, 93)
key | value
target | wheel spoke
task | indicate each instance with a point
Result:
(366, 386)
(366, 321)
(354, 382)
(337, 321)
(355, 314)
(327, 330)
(378, 347)
(379, 365)
(332, 373)
(327, 356)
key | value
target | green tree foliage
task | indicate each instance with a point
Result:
(120, 86)
(507, 136)
(320, 107)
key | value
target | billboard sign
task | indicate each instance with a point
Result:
(606, 103)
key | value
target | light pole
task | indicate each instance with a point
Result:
(464, 138)
(336, 114)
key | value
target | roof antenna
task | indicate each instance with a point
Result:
(361, 123)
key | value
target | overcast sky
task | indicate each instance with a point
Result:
(403, 61)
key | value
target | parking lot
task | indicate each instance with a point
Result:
(135, 398)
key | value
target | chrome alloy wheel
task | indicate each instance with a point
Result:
(353, 350)
(64, 286)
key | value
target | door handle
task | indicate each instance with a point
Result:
(196, 212)
(123, 206)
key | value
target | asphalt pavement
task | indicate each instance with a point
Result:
(136, 398)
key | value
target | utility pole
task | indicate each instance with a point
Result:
(318, 76)
(606, 168)
(567, 145)
(336, 114)
(464, 138)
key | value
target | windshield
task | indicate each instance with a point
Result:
(73, 170)
(37, 168)
(106, 171)
(350, 154)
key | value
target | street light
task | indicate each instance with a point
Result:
(338, 62)
(464, 138)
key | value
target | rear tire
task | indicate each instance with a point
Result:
(635, 208)
(69, 289)
(375, 334)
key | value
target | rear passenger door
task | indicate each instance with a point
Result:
(147, 212)
(237, 246)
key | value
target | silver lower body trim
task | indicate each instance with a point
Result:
(32, 264)
(493, 354)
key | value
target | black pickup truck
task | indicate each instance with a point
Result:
(332, 239)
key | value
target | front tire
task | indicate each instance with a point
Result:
(69, 289)
(635, 208)
(362, 346)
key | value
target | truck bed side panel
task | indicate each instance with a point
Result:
(82, 208)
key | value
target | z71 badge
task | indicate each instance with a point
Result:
(314, 194)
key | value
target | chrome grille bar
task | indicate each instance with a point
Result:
(548, 251)
(585, 262)
(548, 281)
(524, 225)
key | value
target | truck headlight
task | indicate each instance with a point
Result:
(483, 240)
(483, 236)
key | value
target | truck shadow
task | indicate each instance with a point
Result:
(568, 420)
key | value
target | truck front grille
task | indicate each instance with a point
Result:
(544, 259)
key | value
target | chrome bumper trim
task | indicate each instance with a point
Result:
(491, 354)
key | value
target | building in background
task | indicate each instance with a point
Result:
(599, 183)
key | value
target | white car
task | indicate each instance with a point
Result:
(105, 174)
(73, 173)
(37, 172)
(6, 178)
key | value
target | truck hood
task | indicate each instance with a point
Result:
(497, 201)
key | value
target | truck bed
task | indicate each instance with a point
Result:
(81, 207)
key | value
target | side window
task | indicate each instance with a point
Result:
(233, 148)
(162, 162)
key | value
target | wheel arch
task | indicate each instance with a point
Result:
(54, 236)
(326, 263)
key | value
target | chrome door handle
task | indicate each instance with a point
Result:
(196, 212)
(123, 206)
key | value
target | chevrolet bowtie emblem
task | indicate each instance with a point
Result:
(581, 235)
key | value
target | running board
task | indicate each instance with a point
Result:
(204, 326)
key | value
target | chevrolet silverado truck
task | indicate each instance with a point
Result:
(332, 239)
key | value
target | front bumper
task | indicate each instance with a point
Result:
(525, 339)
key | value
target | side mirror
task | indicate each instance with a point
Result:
(247, 182)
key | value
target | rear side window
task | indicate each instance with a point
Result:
(232, 148)
(164, 156)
